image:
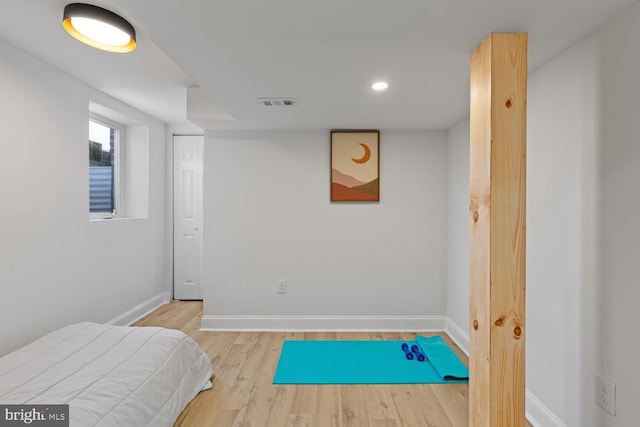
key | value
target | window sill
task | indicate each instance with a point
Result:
(116, 219)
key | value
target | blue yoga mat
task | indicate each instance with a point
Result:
(367, 362)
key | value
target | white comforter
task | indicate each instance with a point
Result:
(109, 375)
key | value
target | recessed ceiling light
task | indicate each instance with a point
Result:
(379, 85)
(99, 28)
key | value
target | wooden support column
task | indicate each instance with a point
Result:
(498, 213)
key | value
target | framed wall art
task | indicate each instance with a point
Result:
(355, 166)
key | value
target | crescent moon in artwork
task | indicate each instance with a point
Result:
(366, 157)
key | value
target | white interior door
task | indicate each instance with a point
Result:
(187, 216)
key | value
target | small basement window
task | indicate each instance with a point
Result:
(105, 159)
(118, 168)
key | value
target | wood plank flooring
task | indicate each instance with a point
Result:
(243, 394)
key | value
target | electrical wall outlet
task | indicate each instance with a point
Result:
(282, 286)
(606, 394)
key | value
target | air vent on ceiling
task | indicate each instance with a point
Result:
(277, 102)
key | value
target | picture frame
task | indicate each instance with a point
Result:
(355, 166)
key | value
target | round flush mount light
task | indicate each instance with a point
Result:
(379, 86)
(99, 28)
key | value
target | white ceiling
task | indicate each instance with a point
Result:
(325, 54)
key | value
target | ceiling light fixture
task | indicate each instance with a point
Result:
(379, 85)
(99, 28)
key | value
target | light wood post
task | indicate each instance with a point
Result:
(498, 211)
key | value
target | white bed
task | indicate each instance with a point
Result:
(108, 375)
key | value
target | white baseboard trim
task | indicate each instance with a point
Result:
(141, 310)
(324, 323)
(458, 335)
(539, 415)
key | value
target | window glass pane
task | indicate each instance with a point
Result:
(102, 141)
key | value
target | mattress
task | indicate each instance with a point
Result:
(108, 375)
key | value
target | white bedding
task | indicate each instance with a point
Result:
(108, 375)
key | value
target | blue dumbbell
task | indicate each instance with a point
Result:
(407, 352)
(419, 355)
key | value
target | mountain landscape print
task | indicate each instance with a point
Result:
(355, 166)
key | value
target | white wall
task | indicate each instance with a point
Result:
(136, 174)
(583, 127)
(620, 291)
(458, 233)
(562, 136)
(56, 267)
(267, 215)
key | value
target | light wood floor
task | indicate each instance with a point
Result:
(243, 394)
